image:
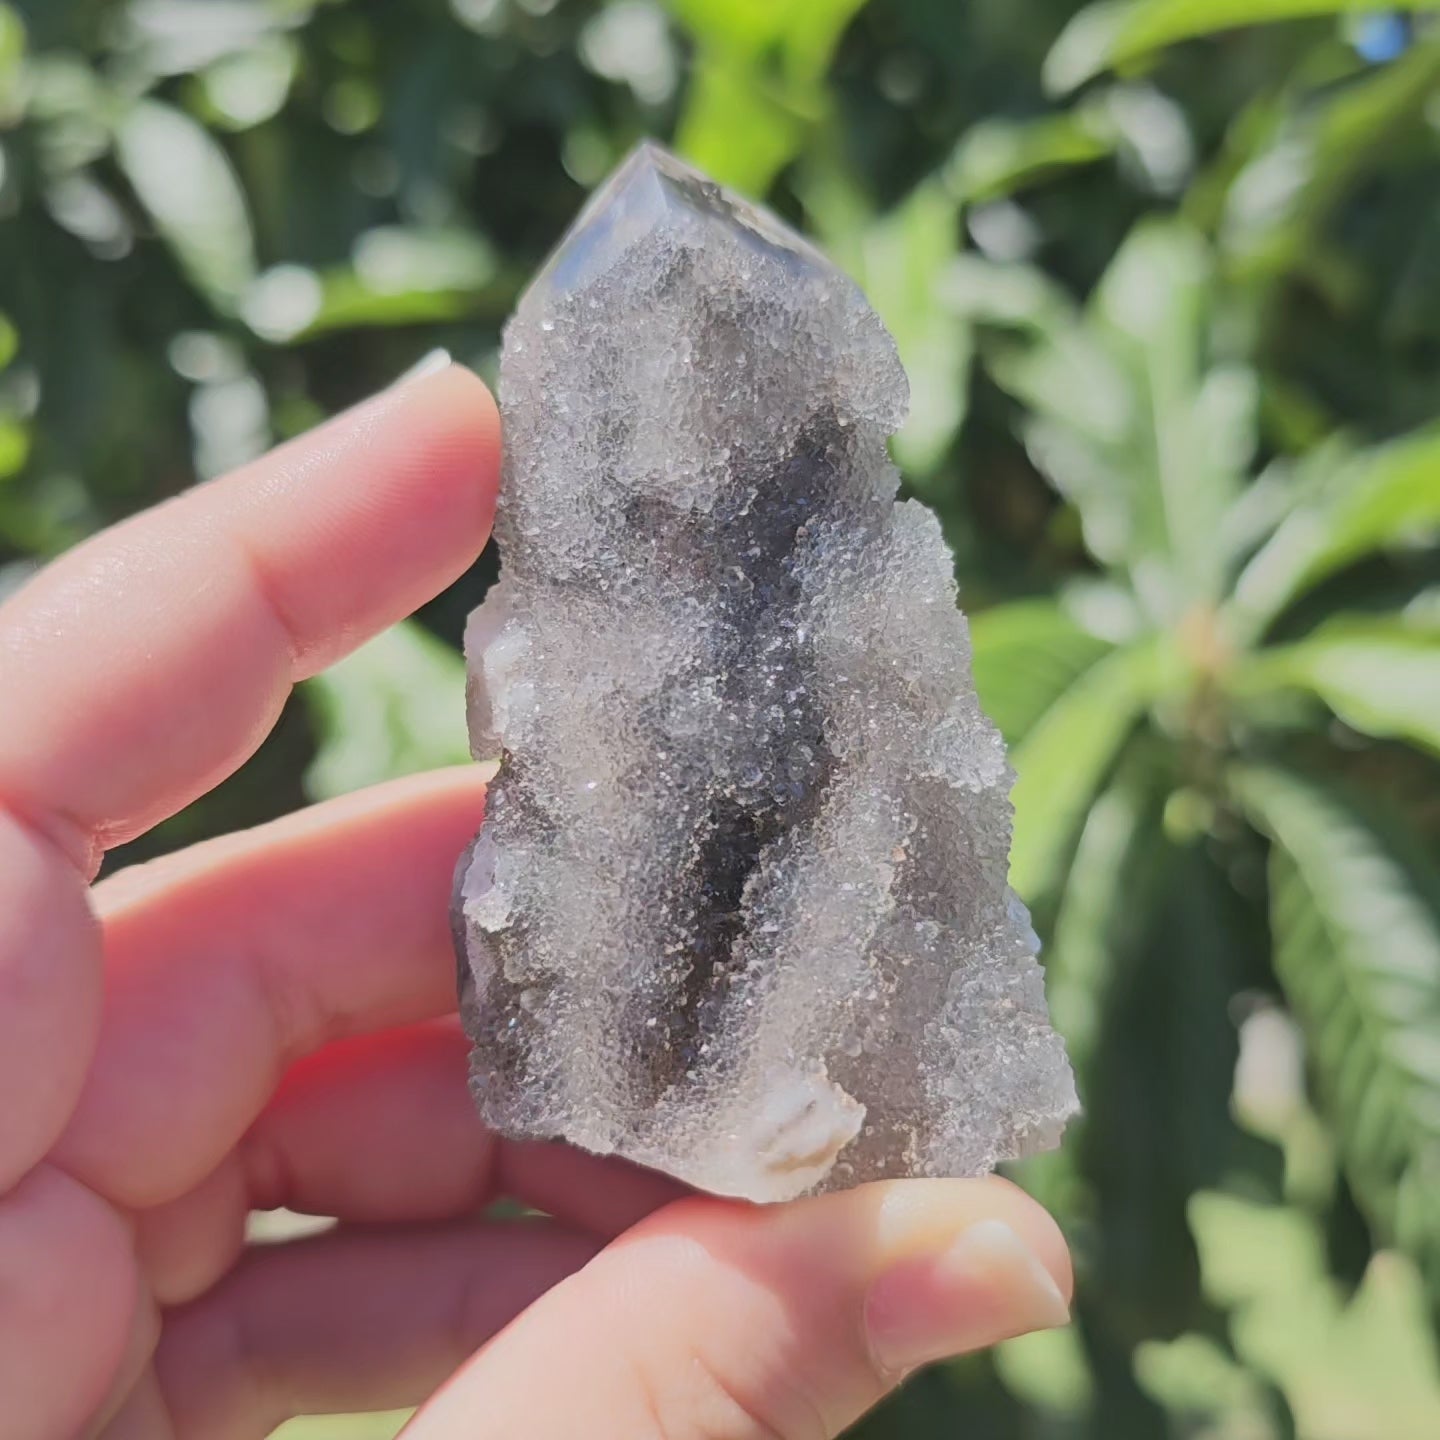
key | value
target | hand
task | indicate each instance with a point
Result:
(267, 1020)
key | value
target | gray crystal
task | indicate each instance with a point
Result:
(738, 910)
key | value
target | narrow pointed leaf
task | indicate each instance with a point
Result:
(903, 256)
(1375, 499)
(1110, 891)
(998, 157)
(392, 708)
(1277, 205)
(1157, 1089)
(1025, 656)
(185, 181)
(1120, 32)
(1197, 429)
(1379, 675)
(1065, 758)
(1131, 421)
(1356, 928)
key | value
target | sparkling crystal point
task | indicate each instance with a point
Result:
(738, 909)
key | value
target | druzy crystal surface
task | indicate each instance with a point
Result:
(738, 910)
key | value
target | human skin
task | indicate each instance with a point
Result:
(268, 1020)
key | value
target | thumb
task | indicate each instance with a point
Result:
(716, 1320)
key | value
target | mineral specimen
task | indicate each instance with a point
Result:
(738, 909)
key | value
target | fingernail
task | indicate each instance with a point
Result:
(987, 1286)
(429, 364)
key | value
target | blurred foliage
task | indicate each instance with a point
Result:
(1166, 276)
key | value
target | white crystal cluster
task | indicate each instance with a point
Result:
(739, 907)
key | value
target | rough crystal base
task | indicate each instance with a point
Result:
(739, 907)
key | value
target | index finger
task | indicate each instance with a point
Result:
(146, 665)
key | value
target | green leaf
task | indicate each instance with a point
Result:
(1195, 1376)
(12, 64)
(247, 87)
(380, 1425)
(1159, 1067)
(1198, 428)
(1368, 501)
(998, 157)
(394, 707)
(739, 124)
(1048, 1371)
(1065, 757)
(903, 256)
(176, 37)
(9, 341)
(1381, 676)
(14, 447)
(757, 89)
(805, 31)
(1117, 33)
(185, 181)
(1355, 915)
(1025, 655)
(1277, 204)
(400, 276)
(1366, 1359)
(1107, 908)
(1131, 426)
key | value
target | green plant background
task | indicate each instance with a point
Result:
(1166, 276)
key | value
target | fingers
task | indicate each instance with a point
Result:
(226, 963)
(713, 1319)
(380, 1129)
(173, 639)
(142, 1416)
(49, 994)
(350, 1321)
(64, 1328)
(385, 1129)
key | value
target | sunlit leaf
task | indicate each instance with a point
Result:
(1020, 297)
(1025, 656)
(9, 341)
(739, 125)
(1195, 1376)
(1374, 499)
(185, 181)
(1048, 1371)
(1131, 422)
(347, 303)
(904, 255)
(1198, 428)
(173, 37)
(748, 26)
(1277, 203)
(756, 90)
(1379, 675)
(1118, 32)
(998, 157)
(249, 86)
(14, 447)
(282, 302)
(805, 31)
(1344, 1362)
(1158, 1068)
(1355, 912)
(396, 259)
(12, 56)
(378, 1426)
(1065, 757)
(1110, 892)
(394, 707)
